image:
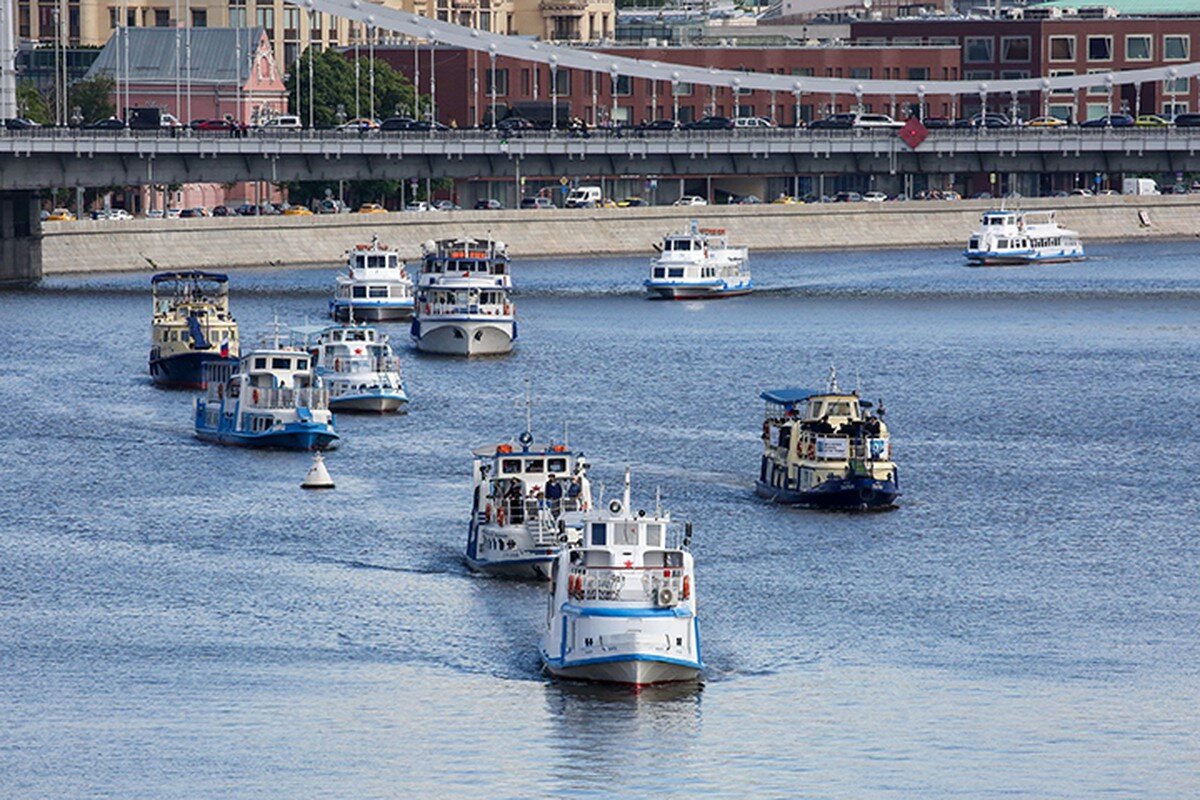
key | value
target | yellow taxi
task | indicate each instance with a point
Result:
(607, 202)
(1151, 121)
(1046, 122)
(297, 211)
(371, 208)
(60, 215)
(785, 200)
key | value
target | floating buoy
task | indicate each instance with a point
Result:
(318, 476)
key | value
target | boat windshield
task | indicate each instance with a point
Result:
(680, 245)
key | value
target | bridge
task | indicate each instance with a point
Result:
(64, 158)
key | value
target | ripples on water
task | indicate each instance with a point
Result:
(179, 619)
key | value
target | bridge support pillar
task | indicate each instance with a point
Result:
(20, 238)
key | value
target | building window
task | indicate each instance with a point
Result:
(978, 49)
(1099, 48)
(624, 85)
(1098, 90)
(1137, 48)
(114, 17)
(977, 75)
(162, 18)
(1013, 74)
(802, 72)
(684, 89)
(237, 15)
(1096, 110)
(1172, 109)
(562, 81)
(500, 76)
(1014, 48)
(862, 73)
(1062, 48)
(266, 19)
(1177, 48)
(1061, 111)
(918, 73)
(199, 18)
(1058, 73)
(1176, 86)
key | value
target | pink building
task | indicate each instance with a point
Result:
(195, 74)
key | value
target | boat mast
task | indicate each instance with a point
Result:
(627, 512)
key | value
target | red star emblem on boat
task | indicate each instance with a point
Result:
(628, 565)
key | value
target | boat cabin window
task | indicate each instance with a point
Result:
(393, 261)
(260, 363)
(535, 465)
(659, 272)
(360, 291)
(377, 291)
(654, 535)
(625, 533)
(511, 466)
(838, 410)
(675, 272)
(281, 363)
(599, 533)
(360, 261)
(302, 363)
(557, 466)
(680, 245)
(815, 408)
(376, 262)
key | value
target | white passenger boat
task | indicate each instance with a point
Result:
(272, 399)
(698, 263)
(528, 497)
(463, 305)
(191, 325)
(622, 606)
(358, 367)
(374, 287)
(1022, 237)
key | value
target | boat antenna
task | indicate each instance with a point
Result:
(528, 407)
(857, 382)
(658, 501)
(833, 387)
(626, 497)
(566, 434)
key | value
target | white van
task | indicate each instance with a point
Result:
(584, 197)
(286, 122)
(1139, 186)
(752, 122)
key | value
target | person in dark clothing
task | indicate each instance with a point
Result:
(554, 493)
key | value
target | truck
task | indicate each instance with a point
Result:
(584, 197)
(1139, 186)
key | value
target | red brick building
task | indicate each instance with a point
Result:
(1006, 49)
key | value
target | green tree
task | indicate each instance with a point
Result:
(93, 97)
(333, 85)
(31, 104)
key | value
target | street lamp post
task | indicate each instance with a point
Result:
(554, 93)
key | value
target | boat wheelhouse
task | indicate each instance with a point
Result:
(826, 450)
(374, 287)
(527, 498)
(698, 263)
(622, 605)
(272, 399)
(463, 299)
(358, 367)
(191, 325)
(1007, 238)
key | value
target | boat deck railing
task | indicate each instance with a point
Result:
(539, 516)
(473, 309)
(625, 584)
(308, 397)
(346, 365)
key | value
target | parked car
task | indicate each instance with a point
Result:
(659, 125)
(710, 124)
(371, 208)
(786, 200)
(1152, 121)
(173, 213)
(1187, 120)
(297, 211)
(60, 215)
(690, 200)
(20, 124)
(284, 122)
(1110, 121)
(747, 200)
(247, 210)
(191, 213)
(1082, 193)
(537, 202)
(223, 211)
(331, 206)
(109, 124)
(268, 210)
(155, 213)
(752, 122)
(847, 197)
(1047, 122)
(874, 197)
(488, 204)
(119, 213)
(446, 205)
(416, 205)
(632, 202)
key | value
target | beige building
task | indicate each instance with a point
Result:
(92, 22)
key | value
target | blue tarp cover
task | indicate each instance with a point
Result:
(785, 396)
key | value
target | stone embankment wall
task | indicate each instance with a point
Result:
(222, 243)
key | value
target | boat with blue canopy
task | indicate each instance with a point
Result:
(826, 449)
(191, 325)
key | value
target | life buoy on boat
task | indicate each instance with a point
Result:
(500, 515)
(220, 391)
(255, 395)
(687, 586)
(337, 365)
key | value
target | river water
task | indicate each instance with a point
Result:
(179, 619)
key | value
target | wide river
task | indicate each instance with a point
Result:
(179, 619)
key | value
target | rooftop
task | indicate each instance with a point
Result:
(153, 51)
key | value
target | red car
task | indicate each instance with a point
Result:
(218, 125)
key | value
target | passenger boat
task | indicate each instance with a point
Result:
(374, 287)
(358, 367)
(527, 500)
(623, 603)
(191, 325)
(1022, 237)
(463, 306)
(826, 450)
(271, 399)
(698, 263)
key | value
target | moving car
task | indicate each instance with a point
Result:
(710, 124)
(109, 124)
(1110, 121)
(359, 124)
(1152, 121)
(1187, 120)
(752, 122)
(284, 122)
(1047, 122)
(20, 124)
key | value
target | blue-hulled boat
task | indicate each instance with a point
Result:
(272, 399)
(374, 287)
(359, 368)
(191, 325)
(698, 264)
(826, 450)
